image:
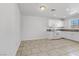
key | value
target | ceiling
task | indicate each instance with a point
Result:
(62, 10)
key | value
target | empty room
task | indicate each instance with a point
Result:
(39, 29)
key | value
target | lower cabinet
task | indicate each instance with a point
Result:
(70, 35)
(54, 35)
(62, 34)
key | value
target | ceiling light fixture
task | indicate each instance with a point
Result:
(43, 7)
(53, 9)
(72, 11)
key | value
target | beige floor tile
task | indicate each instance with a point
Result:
(52, 53)
(26, 52)
(33, 54)
(42, 54)
(45, 47)
(35, 51)
(19, 51)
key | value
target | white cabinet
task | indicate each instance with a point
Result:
(75, 36)
(54, 35)
(70, 35)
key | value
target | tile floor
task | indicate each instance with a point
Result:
(47, 47)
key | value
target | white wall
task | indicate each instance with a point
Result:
(9, 28)
(55, 23)
(34, 27)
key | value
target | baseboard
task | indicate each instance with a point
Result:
(34, 38)
(17, 47)
(40, 38)
(71, 40)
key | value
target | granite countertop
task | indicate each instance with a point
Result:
(68, 30)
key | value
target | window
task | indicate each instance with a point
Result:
(75, 23)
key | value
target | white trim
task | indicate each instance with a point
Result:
(35, 38)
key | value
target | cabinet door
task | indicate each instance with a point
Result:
(71, 35)
(62, 34)
(75, 36)
(50, 35)
(54, 35)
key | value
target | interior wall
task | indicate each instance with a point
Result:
(67, 24)
(34, 27)
(55, 23)
(9, 28)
